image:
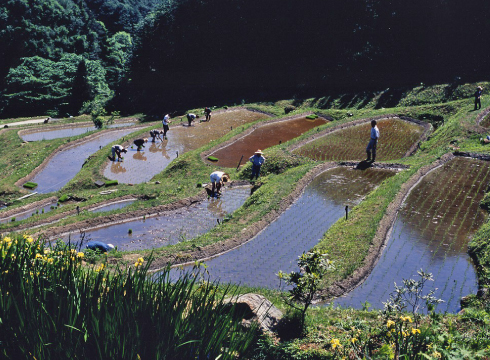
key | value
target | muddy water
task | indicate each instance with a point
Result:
(115, 206)
(141, 166)
(262, 138)
(27, 214)
(67, 132)
(66, 164)
(432, 233)
(174, 227)
(396, 138)
(298, 229)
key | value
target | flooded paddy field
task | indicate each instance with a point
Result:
(431, 233)
(263, 137)
(38, 135)
(171, 228)
(22, 215)
(114, 206)
(141, 166)
(396, 138)
(67, 163)
(298, 229)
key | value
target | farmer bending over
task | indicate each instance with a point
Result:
(99, 245)
(207, 111)
(217, 180)
(140, 143)
(117, 150)
(190, 118)
(156, 134)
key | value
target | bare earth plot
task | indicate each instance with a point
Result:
(432, 233)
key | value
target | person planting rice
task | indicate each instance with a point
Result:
(373, 142)
(99, 245)
(140, 143)
(190, 118)
(217, 180)
(207, 112)
(117, 150)
(257, 160)
(165, 122)
(156, 134)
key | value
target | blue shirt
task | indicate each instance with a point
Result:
(257, 159)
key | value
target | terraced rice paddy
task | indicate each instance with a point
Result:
(298, 229)
(431, 233)
(28, 213)
(263, 137)
(66, 132)
(113, 206)
(141, 166)
(396, 138)
(67, 163)
(173, 227)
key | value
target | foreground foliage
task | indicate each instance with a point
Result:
(52, 307)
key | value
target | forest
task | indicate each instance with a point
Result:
(66, 57)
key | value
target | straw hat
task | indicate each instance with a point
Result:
(479, 88)
(259, 152)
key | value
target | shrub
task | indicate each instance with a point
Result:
(312, 117)
(212, 158)
(64, 198)
(289, 108)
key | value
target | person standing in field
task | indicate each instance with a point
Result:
(478, 92)
(207, 112)
(217, 179)
(117, 150)
(373, 142)
(257, 160)
(165, 122)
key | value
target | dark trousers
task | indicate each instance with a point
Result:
(255, 171)
(477, 103)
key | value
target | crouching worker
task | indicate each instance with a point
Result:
(485, 140)
(140, 143)
(156, 134)
(99, 245)
(217, 180)
(117, 150)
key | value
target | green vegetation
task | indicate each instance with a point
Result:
(81, 312)
(212, 158)
(111, 182)
(30, 185)
(64, 198)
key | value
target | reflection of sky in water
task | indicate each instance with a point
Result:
(67, 132)
(180, 225)
(298, 229)
(67, 163)
(27, 214)
(432, 233)
(115, 206)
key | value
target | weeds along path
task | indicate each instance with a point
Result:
(141, 166)
(297, 229)
(433, 226)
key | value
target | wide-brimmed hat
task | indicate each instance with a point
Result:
(479, 87)
(259, 152)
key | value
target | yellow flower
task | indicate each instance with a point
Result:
(47, 251)
(406, 318)
(6, 239)
(353, 340)
(436, 354)
(390, 323)
(415, 331)
(139, 262)
(335, 343)
(50, 260)
(39, 256)
(80, 255)
(100, 268)
(29, 239)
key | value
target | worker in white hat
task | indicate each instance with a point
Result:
(257, 160)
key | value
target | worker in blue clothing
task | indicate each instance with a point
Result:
(99, 245)
(373, 142)
(257, 160)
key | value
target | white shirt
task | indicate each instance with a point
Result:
(216, 176)
(375, 133)
(165, 119)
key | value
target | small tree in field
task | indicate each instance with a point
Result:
(313, 266)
